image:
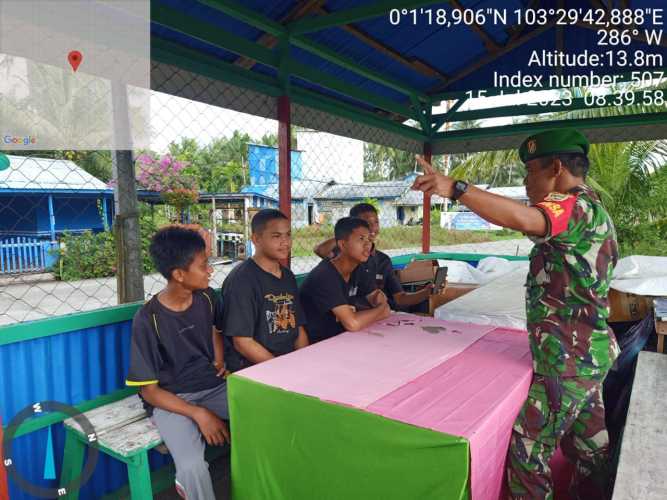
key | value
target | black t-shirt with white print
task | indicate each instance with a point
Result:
(260, 305)
(175, 348)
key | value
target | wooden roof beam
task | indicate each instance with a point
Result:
(489, 58)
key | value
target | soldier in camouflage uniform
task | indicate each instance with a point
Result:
(571, 267)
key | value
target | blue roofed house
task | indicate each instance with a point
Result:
(40, 199)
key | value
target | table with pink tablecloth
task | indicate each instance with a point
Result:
(457, 379)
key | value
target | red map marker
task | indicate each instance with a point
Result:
(75, 57)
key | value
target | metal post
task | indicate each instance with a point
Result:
(426, 217)
(129, 274)
(246, 226)
(104, 211)
(214, 229)
(284, 159)
(52, 219)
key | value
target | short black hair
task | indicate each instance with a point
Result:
(362, 208)
(577, 163)
(345, 226)
(175, 247)
(263, 217)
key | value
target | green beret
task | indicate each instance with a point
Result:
(553, 142)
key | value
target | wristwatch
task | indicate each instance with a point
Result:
(460, 187)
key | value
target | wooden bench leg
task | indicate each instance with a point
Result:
(661, 343)
(72, 463)
(139, 474)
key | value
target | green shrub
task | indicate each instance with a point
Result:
(86, 255)
(93, 255)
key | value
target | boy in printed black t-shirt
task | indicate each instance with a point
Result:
(262, 312)
(176, 358)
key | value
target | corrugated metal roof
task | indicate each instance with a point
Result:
(445, 57)
(28, 173)
(416, 198)
(380, 189)
(300, 189)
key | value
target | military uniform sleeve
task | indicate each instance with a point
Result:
(145, 359)
(567, 217)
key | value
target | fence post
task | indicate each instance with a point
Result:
(284, 159)
(129, 267)
(426, 217)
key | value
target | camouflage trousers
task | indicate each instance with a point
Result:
(565, 412)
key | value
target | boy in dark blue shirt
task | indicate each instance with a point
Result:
(176, 358)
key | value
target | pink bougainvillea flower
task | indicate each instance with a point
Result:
(145, 159)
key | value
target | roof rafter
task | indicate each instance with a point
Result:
(209, 66)
(234, 9)
(489, 58)
(354, 15)
(534, 127)
(412, 63)
(490, 44)
(270, 41)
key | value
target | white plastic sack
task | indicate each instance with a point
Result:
(641, 275)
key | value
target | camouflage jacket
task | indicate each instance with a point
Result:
(567, 286)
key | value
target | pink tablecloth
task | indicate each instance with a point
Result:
(457, 378)
(477, 395)
(358, 368)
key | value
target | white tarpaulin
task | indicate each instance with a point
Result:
(641, 275)
(500, 301)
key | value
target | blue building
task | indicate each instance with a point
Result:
(40, 199)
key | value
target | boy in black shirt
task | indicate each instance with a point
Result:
(337, 287)
(262, 312)
(379, 263)
(176, 358)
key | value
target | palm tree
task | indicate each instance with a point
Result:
(629, 176)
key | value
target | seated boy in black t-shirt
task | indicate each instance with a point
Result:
(336, 288)
(176, 358)
(262, 312)
(379, 263)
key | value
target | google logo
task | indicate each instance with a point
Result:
(28, 139)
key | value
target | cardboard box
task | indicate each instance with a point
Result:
(628, 306)
(418, 271)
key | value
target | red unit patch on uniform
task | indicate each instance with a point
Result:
(558, 208)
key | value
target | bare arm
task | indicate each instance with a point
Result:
(494, 208)
(325, 249)
(211, 426)
(302, 339)
(219, 352)
(411, 299)
(252, 350)
(353, 321)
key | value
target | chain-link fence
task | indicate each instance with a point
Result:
(213, 161)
